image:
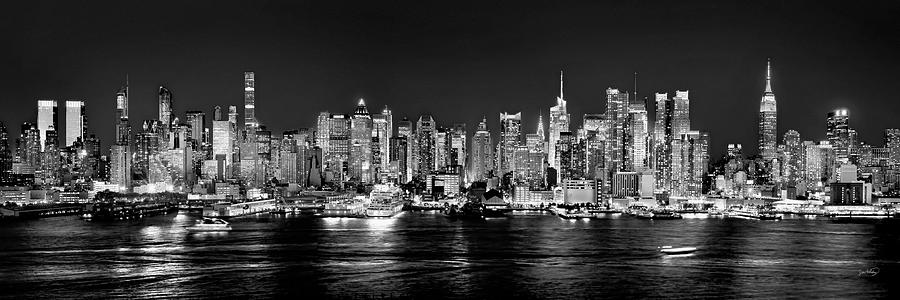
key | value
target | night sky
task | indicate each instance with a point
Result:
(458, 60)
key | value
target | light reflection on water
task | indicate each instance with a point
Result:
(426, 255)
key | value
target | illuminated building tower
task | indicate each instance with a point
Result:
(382, 131)
(405, 130)
(892, 143)
(338, 152)
(426, 132)
(47, 118)
(510, 125)
(819, 165)
(120, 160)
(672, 121)
(223, 146)
(458, 153)
(616, 118)
(768, 119)
(690, 157)
(838, 133)
(288, 158)
(793, 149)
(534, 143)
(441, 149)
(323, 123)
(165, 112)
(398, 159)
(146, 155)
(681, 120)
(250, 122)
(197, 122)
(6, 157)
(76, 124)
(360, 143)
(566, 156)
(482, 153)
(637, 139)
(559, 122)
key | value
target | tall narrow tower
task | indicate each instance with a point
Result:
(559, 122)
(250, 102)
(768, 118)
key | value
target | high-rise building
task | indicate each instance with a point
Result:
(405, 130)
(567, 156)
(458, 153)
(637, 139)
(793, 154)
(382, 132)
(361, 144)
(616, 119)
(510, 130)
(892, 143)
(250, 101)
(690, 158)
(482, 153)
(398, 158)
(838, 133)
(76, 123)
(426, 132)
(337, 155)
(768, 119)
(123, 127)
(6, 157)
(223, 146)
(48, 119)
(197, 122)
(165, 109)
(819, 165)
(559, 122)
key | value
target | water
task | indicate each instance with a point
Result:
(424, 255)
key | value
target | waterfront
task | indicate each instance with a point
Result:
(425, 255)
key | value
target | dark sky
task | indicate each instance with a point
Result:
(458, 60)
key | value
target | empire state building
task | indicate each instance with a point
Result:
(768, 119)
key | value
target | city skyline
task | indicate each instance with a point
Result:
(809, 84)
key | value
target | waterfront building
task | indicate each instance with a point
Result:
(578, 191)
(626, 184)
(690, 158)
(768, 119)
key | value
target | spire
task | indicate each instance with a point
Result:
(769, 75)
(540, 128)
(635, 87)
(561, 85)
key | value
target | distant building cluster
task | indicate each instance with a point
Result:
(624, 152)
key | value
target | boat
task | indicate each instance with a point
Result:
(384, 208)
(657, 215)
(385, 201)
(669, 250)
(210, 224)
(577, 214)
(751, 215)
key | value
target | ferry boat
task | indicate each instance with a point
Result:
(384, 208)
(384, 201)
(751, 215)
(210, 224)
(658, 215)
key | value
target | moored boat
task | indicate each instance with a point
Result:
(677, 250)
(210, 224)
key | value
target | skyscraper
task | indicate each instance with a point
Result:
(616, 118)
(6, 159)
(223, 146)
(197, 121)
(837, 131)
(76, 123)
(165, 108)
(690, 157)
(768, 119)
(559, 122)
(405, 130)
(637, 139)
(482, 153)
(382, 131)
(892, 143)
(361, 144)
(48, 119)
(510, 130)
(426, 132)
(250, 101)
(793, 149)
